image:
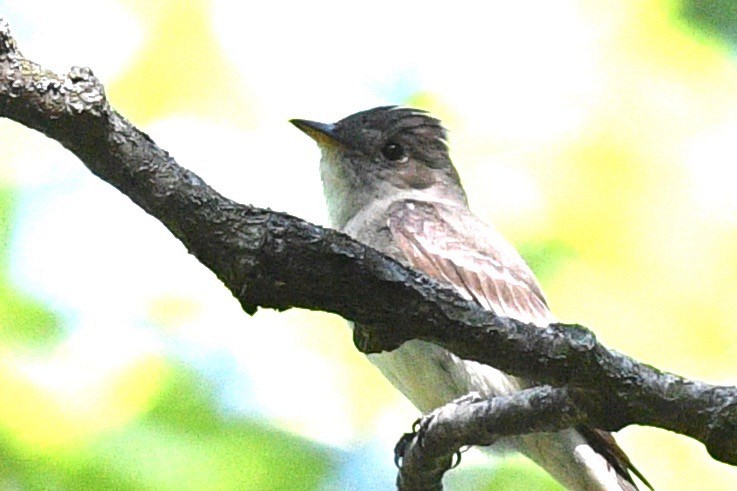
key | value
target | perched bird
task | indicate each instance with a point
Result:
(389, 183)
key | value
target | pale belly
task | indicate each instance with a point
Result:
(430, 376)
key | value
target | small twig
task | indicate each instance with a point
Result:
(435, 443)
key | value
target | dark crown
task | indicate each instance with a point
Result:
(422, 134)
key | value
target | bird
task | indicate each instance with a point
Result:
(389, 183)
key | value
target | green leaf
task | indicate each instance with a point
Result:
(714, 17)
(183, 443)
(545, 257)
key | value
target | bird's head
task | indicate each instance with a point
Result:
(380, 153)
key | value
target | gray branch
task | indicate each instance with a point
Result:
(437, 438)
(273, 260)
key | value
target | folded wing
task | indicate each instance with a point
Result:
(448, 243)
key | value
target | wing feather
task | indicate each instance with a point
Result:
(470, 256)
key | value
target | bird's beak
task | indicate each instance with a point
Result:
(323, 134)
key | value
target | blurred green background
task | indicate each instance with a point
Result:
(599, 136)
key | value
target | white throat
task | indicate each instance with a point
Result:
(348, 195)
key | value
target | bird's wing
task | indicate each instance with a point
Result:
(469, 255)
(451, 245)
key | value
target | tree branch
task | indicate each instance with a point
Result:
(428, 452)
(274, 260)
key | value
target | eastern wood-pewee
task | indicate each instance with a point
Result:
(389, 183)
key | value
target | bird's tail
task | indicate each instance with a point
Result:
(582, 459)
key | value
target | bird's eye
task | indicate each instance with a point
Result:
(394, 152)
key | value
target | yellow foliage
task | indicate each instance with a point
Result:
(57, 404)
(181, 69)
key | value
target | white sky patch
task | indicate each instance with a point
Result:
(272, 165)
(275, 373)
(77, 242)
(505, 193)
(506, 188)
(711, 160)
(506, 72)
(100, 34)
(81, 366)
(34, 159)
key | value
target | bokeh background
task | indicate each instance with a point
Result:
(599, 135)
